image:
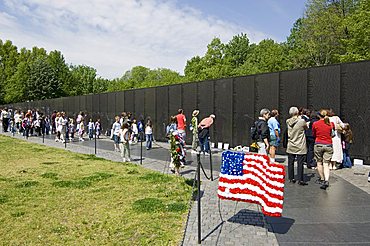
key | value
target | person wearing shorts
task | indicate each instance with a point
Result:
(115, 134)
(323, 150)
(274, 128)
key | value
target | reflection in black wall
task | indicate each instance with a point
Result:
(243, 114)
(162, 112)
(223, 125)
(189, 103)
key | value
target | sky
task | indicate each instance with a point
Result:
(113, 36)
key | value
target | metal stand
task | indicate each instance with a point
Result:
(199, 198)
(210, 162)
(94, 139)
(141, 148)
(65, 138)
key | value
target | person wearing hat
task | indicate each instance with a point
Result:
(203, 133)
(194, 129)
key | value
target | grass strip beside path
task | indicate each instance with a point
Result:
(50, 196)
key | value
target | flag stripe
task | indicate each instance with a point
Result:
(252, 180)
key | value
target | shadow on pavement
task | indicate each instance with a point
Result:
(280, 225)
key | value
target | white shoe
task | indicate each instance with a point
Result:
(124, 159)
(128, 160)
(194, 152)
(206, 153)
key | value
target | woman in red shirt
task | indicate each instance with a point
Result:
(322, 132)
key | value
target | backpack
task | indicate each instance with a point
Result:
(255, 130)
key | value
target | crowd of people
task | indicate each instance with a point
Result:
(319, 140)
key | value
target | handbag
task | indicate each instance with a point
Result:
(254, 147)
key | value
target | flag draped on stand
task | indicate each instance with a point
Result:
(252, 178)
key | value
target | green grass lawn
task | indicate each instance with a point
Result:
(52, 197)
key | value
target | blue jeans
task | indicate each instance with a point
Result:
(204, 144)
(346, 159)
(149, 139)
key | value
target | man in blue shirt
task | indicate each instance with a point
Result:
(274, 128)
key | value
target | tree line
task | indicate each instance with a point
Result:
(329, 32)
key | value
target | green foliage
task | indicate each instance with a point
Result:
(43, 81)
(357, 45)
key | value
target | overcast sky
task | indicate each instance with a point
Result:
(115, 35)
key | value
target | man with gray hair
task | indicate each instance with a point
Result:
(262, 131)
(296, 145)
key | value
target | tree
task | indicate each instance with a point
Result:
(61, 70)
(267, 56)
(193, 69)
(43, 82)
(8, 65)
(82, 81)
(100, 85)
(295, 47)
(357, 45)
(237, 50)
(16, 88)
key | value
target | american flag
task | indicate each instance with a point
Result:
(252, 178)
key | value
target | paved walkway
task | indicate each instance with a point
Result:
(311, 216)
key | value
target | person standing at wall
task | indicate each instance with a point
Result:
(58, 127)
(5, 117)
(17, 120)
(181, 123)
(71, 129)
(135, 132)
(53, 122)
(337, 157)
(203, 133)
(115, 133)
(296, 147)
(274, 128)
(98, 128)
(125, 136)
(90, 128)
(262, 132)
(322, 130)
(194, 130)
(149, 133)
(310, 117)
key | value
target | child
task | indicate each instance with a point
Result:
(98, 128)
(125, 136)
(347, 140)
(91, 129)
(13, 128)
